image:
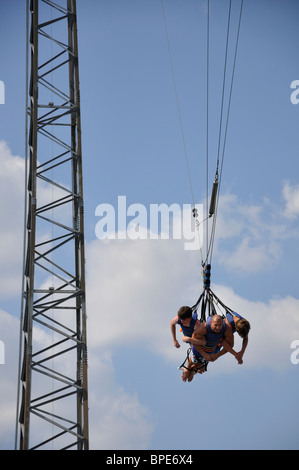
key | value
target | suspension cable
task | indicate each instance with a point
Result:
(207, 119)
(209, 245)
(197, 224)
(219, 163)
(223, 83)
(225, 135)
(178, 103)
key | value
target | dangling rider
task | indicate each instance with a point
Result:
(188, 322)
(240, 325)
(207, 339)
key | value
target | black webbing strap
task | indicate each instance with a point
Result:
(194, 369)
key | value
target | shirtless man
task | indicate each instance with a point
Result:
(241, 326)
(206, 340)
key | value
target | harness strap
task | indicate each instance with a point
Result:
(195, 369)
(182, 366)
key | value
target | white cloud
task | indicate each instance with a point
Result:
(125, 417)
(291, 198)
(131, 284)
(9, 328)
(135, 287)
(249, 238)
(117, 418)
(12, 216)
(12, 190)
(151, 280)
(251, 258)
(274, 325)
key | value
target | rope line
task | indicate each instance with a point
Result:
(223, 123)
(210, 250)
(178, 103)
(197, 223)
(208, 303)
(207, 118)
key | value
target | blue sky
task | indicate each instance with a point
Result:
(132, 146)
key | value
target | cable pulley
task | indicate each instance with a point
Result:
(213, 196)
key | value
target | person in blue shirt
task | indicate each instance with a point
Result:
(206, 341)
(239, 325)
(188, 322)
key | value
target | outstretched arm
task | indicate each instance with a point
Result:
(173, 324)
(239, 355)
(228, 343)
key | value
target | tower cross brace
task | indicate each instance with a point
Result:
(53, 393)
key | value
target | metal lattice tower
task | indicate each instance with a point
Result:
(53, 394)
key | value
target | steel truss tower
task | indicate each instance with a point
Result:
(53, 396)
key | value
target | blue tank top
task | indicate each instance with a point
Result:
(213, 339)
(230, 318)
(188, 330)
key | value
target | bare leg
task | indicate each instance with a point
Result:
(192, 369)
(214, 357)
(188, 373)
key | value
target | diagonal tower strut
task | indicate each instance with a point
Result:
(53, 396)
